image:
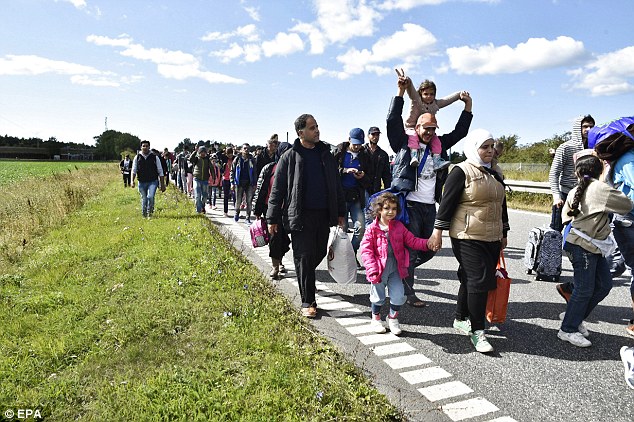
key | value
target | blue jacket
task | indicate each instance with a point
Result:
(236, 170)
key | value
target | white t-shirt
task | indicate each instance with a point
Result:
(426, 188)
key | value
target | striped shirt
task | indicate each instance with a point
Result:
(562, 176)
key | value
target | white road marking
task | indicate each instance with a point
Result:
(425, 375)
(400, 362)
(445, 391)
(352, 321)
(392, 349)
(377, 338)
(467, 409)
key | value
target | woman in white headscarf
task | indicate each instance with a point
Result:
(473, 209)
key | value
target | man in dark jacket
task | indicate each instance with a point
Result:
(356, 175)
(267, 155)
(308, 199)
(423, 183)
(147, 167)
(379, 161)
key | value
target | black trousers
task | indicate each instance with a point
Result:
(309, 249)
(476, 271)
(127, 179)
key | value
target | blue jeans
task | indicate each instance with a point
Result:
(201, 189)
(592, 281)
(394, 286)
(421, 224)
(147, 191)
(355, 211)
(214, 192)
(624, 237)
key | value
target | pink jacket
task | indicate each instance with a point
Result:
(374, 249)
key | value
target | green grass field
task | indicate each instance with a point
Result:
(16, 171)
(108, 316)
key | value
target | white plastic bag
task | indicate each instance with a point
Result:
(342, 265)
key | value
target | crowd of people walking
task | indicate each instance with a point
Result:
(397, 210)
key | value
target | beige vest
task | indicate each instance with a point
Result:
(479, 212)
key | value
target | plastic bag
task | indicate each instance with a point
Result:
(259, 233)
(342, 265)
(498, 299)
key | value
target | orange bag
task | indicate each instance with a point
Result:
(498, 299)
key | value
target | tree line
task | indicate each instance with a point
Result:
(112, 144)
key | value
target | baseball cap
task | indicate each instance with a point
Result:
(428, 120)
(373, 129)
(357, 137)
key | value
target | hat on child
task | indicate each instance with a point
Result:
(357, 137)
(428, 120)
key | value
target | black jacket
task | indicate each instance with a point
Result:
(287, 195)
(260, 203)
(404, 176)
(381, 170)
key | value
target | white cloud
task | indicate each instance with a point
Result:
(282, 45)
(79, 4)
(253, 12)
(91, 81)
(170, 64)
(609, 74)
(247, 32)
(35, 65)
(534, 54)
(408, 45)
(411, 4)
(408, 4)
(339, 21)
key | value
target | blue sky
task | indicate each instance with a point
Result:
(238, 71)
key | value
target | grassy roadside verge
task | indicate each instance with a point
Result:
(114, 317)
(33, 206)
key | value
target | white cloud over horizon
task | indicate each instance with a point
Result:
(31, 65)
(534, 54)
(609, 74)
(407, 46)
(171, 64)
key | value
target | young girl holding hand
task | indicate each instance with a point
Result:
(386, 259)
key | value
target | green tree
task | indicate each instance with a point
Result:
(111, 143)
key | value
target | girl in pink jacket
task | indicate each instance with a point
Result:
(386, 259)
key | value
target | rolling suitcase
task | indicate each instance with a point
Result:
(543, 254)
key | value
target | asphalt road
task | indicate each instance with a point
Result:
(433, 373)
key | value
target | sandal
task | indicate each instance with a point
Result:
(415, 302)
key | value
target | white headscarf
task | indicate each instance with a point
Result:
(472, 142)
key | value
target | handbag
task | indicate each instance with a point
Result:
(259, 233)
(498, 299)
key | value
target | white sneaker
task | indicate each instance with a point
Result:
(627, 356)
(582, 328)
(395, 327)
(377, 326)
(463, 326)
(480, 342)
(574, 338)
